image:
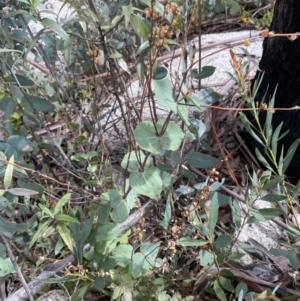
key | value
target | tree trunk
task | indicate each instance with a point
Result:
(280, 64)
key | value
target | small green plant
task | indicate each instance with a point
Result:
(262, 22)
(65, 95)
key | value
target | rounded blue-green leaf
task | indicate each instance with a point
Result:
(148, 182)
(149, 140)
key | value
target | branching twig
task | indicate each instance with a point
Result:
(14, 262)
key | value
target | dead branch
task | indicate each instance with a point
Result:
(37, 285)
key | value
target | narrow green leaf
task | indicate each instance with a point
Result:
(140, 27)
(213, 214)
(236, 213)
(290, 154)
(116, 55)
(219, 291)
(273, 198)
(33, 41)
(226, 284)
(287, 254)
(249, 128)
(65, 199)
(10, 50)
(22, 191)
(15, 12)
(168, 214)
(273, 183)
(143, 47)
(41, 229)
(264, 214)
(9, 172)
(46, 210)
(256, 216)
(117, 292)
(81, 292)
(188, 242)
(296, 190)
(127, 11)
(31, 186)
(56, 28)
(268, 126)
(66, 218)
(65, 234)
(86, 229)
(263, 160)
(195, 103)
(292, 247)
(141, 70)
(275, 139)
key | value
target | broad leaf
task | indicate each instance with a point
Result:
(148, 182)
(150, 140)
(164, 91)
(120, 210)
(123, 254)
(199, 160)
(206, 71)
(32, 103)
(6, 267)
(150, 251)
(133, 161)
(136, 267)
(222, 241)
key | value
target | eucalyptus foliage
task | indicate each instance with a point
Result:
(41, 82)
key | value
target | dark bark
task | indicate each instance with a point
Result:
(280, 64)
